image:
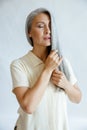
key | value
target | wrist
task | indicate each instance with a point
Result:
(48, 71)
(68, 86)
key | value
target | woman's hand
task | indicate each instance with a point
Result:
(53, 61)
(59, 79)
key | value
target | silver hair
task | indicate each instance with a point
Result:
(54, 36)
(29, 20)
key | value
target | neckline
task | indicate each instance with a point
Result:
(36, 57)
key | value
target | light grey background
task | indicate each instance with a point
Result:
(71, 20)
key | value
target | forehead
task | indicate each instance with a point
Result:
(41, 17)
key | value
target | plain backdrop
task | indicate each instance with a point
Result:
(71, 21)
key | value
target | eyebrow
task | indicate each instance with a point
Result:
(40, 22)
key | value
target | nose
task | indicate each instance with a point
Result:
(47, 30)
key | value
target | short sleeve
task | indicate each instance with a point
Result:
(72, 77)
(18, 74)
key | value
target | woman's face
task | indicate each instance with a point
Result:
(40, 30)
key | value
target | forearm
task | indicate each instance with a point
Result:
(29, 98)
(33, 95)
(73, 93)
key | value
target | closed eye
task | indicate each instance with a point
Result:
(40, 25)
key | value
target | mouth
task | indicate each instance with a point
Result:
(47, 38)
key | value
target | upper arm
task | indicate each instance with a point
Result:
(18, 74)
(20, 93)
(20, 80)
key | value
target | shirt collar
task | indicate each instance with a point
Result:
(34, 59)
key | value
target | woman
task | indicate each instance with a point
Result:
(42, 78)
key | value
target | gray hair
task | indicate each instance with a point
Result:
(54, 36)
(29, 20)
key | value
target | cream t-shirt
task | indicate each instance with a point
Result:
(51, 113)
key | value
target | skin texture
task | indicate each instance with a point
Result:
(29, 98)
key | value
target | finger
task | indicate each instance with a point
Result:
(57, 74)
(55, 83)
(60, 72)
(53, 52)
(56, 70)
(60, 60)
(55, 80)
(55, 57)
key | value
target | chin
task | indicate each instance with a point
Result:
(47, 44)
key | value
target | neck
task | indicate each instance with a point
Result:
(41, 52)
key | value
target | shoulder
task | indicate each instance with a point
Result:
(20, 61)
(16, 62)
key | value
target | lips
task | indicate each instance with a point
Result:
(47, 38)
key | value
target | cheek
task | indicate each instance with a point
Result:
(37, 35)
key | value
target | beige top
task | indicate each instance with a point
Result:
(51, 113)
